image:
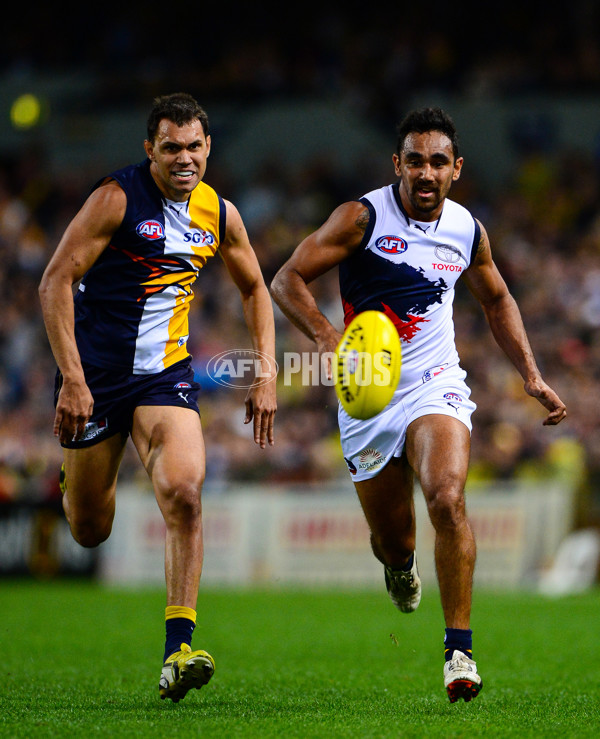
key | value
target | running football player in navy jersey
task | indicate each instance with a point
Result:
(400, 250)
(136, 247)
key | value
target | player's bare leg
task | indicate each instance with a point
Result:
(438, 449)
(170, 444)
(388, 503)
(91, 480)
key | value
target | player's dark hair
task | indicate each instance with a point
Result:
(180, 108)
(424, 120)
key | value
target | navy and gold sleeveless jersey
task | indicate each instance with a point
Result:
(132, 307)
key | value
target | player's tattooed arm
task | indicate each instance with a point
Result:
(482, 276)
(483, 250)
(363, 220)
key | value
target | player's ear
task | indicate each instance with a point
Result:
(149, 149)
(208, 142)
(458, 163)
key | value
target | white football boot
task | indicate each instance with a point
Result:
(404, 587)
(461, 678)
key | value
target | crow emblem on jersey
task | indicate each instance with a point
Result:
(405, 294)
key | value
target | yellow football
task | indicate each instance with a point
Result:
(368, 364)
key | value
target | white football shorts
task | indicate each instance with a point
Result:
(369, 445)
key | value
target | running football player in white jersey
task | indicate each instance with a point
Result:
(136, 247)
(400, 249)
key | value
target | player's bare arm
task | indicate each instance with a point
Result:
(486, 283)
(86, 237)
(329, 245)
(242, 264)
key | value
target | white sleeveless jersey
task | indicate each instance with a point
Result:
(407, 269)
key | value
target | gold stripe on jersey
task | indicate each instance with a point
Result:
(178, 327)
(204, 210)
(205, 214)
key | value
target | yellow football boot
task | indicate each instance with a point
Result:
(183, 671)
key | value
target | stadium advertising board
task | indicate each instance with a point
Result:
(288, 537)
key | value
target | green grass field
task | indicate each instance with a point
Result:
(81, 660)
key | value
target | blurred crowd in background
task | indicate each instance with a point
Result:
(544, 227)
(245, 51)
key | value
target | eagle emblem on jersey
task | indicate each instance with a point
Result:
(163, 272)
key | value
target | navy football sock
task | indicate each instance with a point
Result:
(460, 639)
(180, 623)
(179, 631)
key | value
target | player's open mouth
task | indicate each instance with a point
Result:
(184, 174)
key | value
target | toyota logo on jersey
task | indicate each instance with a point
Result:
(150, 230)
(391, 244)
(448, 253)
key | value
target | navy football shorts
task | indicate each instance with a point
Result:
(117, 395)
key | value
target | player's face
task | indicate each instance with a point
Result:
(178, 157)
(427, 169)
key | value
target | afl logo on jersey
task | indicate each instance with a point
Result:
(391, 244)
(150, 230)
